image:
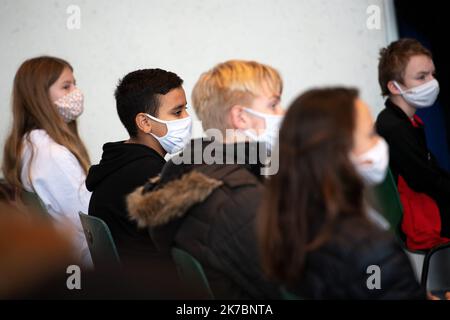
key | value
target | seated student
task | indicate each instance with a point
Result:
(210, 210)
(406, 76)
(151, 104)
(44, 153)
(316, 236)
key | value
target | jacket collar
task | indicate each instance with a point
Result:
(415, 121)
(171, 201)
(179, 187)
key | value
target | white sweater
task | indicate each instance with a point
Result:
(59, 181)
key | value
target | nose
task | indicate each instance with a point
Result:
(279, 111)
(184, 113)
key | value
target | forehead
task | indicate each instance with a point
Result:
(174, 96)
(267, 91)
(66, 75)
(419, 63)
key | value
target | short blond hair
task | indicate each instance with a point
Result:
(230, 83)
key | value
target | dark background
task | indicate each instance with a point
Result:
(428, 22)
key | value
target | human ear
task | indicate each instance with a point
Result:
(238, 117)
(143, 123)
(393, 88)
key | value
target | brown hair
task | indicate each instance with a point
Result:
(316, 182)
(395, 58)
(33, 109)
(230, 83)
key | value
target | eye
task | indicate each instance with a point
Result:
(274, 104)
(179, 111)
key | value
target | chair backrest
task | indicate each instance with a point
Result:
(436, 269)
(288, 295)
(100, 241)
(191, 272)
(32, 200)
(388, 202)
(29, 199)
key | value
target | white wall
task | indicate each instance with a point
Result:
(311, 42)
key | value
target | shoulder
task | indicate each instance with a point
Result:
(363, 244)
(47, 153)
(148, 166)
(41, 140)
(240, 190)
(339, 272)
(362, 235)
(388, 120)
(356, 243)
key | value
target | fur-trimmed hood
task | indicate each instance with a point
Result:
(170, 201)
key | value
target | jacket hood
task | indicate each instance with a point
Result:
(170, 201)
(115, 156)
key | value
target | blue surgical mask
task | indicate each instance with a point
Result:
(178, 134)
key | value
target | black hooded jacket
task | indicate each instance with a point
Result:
(123, 168)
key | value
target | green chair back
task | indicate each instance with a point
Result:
(387, 202)
(191, 272)
(29, 199)
(100, 241)
(287, 295)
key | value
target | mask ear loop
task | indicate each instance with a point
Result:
(256, 114)
(398, 87)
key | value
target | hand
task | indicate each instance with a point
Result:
(430, 296)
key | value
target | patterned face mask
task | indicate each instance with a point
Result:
(70, 106)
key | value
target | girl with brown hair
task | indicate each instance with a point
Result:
(44, 153)
(316, 235)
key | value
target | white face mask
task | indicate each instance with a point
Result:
(421, 96)
(177, 136)
(273, 124)
(374, 171)
(70, 106)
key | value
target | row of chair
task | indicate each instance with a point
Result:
(435, 276)
(436, 262)
(104, 255)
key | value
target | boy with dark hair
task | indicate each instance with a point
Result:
(151, 105)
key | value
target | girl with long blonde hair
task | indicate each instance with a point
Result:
(44, 153)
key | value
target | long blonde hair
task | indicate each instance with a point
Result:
(33, 109)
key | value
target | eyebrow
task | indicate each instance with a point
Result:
(181, 106)
(275, 98)
(426, 72)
